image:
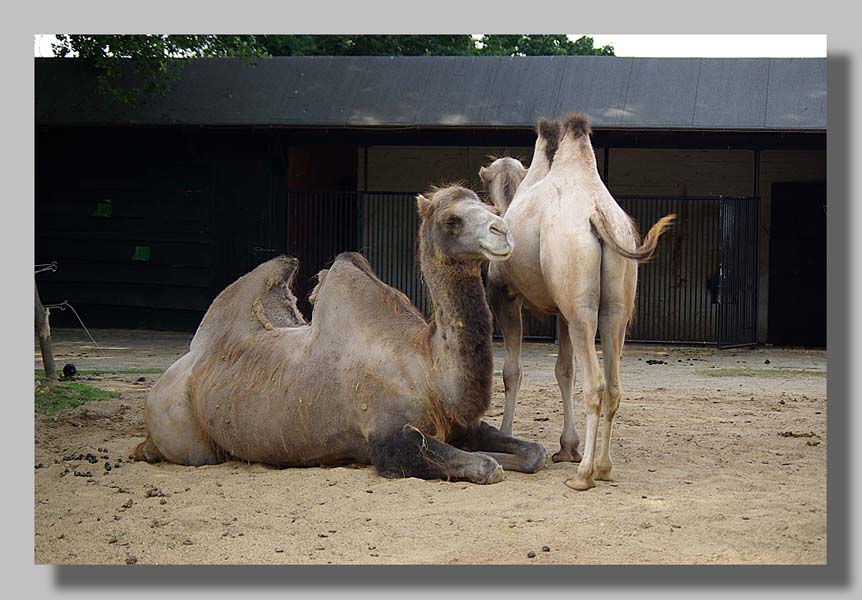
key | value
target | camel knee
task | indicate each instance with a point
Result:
(564, 369)
(593, 395)
(612, 395)
(512, 376)
(401, 454)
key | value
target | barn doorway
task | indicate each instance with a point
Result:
(797, 265)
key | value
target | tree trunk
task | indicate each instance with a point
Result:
(43, 330)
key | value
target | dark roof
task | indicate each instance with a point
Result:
(777, 94)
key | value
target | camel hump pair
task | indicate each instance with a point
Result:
(369, 380)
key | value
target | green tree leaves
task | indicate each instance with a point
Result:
(155, 60)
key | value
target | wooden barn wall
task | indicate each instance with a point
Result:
(416, 168)
(148, 225)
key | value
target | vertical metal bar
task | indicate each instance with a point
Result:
(691, 296)
(755, 202)
(389, 241)
(402, 280)
(606, 172)
(359, 209)
(721, 269)
(702, 280)
(702, 250)
(365, 169)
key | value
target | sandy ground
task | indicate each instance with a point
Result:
(707, 470)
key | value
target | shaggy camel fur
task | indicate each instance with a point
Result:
(367, 381)
(575, 256)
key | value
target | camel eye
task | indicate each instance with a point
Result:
(453, 222)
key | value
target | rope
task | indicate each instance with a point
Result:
(62, 306)
(52, 266)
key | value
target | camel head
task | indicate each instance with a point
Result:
(461, 228)
(502, 178)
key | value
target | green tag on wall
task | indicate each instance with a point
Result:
(103, 209)
(142, 253)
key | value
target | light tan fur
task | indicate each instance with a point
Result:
(575, 253)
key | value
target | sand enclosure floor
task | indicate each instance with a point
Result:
(727, 469)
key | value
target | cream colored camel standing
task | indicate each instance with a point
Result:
(575, 255)
(367, 381)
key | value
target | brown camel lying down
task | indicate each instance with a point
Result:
(367, 381)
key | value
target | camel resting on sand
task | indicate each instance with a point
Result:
(576, 254)
(367, 381)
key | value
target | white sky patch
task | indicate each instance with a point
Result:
(42, 44)
(653, 45)
(713, 46)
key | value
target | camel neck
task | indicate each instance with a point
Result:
(505, 188)
(460, 340)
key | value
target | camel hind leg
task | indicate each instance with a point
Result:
(619, 281)
(146, 451)
(612, 331)
(173, 431)
(575, 281)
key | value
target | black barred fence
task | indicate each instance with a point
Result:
(701, 288)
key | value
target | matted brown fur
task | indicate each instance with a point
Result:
(549, 130)
(469, 303)
(578, 124)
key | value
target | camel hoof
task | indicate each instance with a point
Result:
(537, 460)
(497, 476)
(576, 483)
(567, 456)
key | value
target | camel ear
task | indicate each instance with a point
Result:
(482, 171)
(424, 206)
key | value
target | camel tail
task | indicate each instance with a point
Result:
(642, 254)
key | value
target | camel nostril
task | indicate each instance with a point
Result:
(499, 228)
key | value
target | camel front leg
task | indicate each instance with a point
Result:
(512, 453)
(507, 312)
(408, 452)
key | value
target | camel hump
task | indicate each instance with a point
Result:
(357, 260)
(363, 289)
(550, 130)
(259, 300)
(578, 124)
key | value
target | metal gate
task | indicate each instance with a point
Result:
(319, 226)
(701, 287)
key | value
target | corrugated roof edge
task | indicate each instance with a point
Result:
(486, 93)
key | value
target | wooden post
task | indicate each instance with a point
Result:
(43, 330)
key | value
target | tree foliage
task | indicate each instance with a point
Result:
(429, 45)
(541, 45)
(155, 60)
